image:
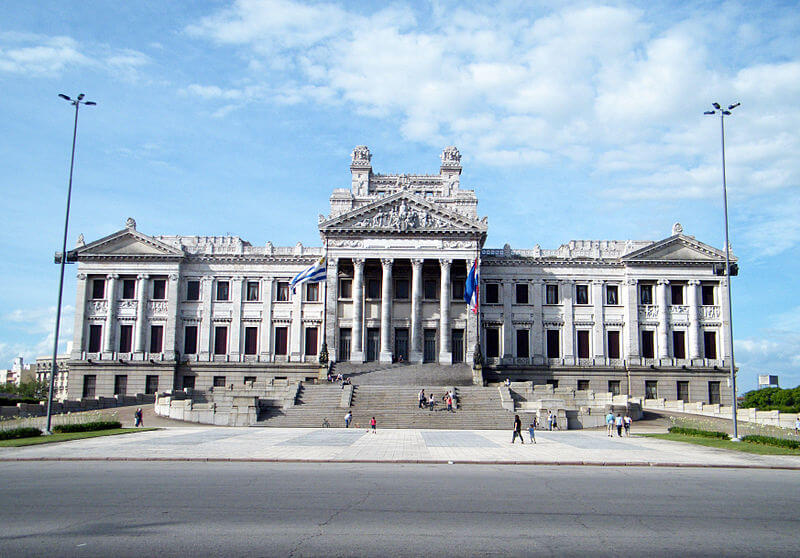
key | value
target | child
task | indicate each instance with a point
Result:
(531, 429)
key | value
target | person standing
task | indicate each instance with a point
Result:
(627, 423)
(531, 430)
(373, 424)
(449, 403)
(431, 401)
(619, 422)
(421, 398)
(517, 430)
(550, 420)
(610, 424)
(137, 418)
(347, 418)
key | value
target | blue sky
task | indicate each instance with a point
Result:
(575, 121)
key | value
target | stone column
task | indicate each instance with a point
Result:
(171, 328)
(111, 314)
(568, 341)
(599, 321)
(663, 326)
(415, 353)
(386, 311)
(141, 314)
(357, 340)
(266, 319)
(79, 329)
(331, 306)
(237, 284)
(445, 351)
(508, 326)
(537, 329)
(206, 326)
(631, 302)
(694, 322)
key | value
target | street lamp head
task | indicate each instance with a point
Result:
(726, 112)
(731, 107)
(65, 97)
(716, 105)
(710, 112)
(89, 103)
(81, 96)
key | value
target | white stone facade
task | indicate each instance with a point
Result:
(165, 312)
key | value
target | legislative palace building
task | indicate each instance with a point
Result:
(158, 313)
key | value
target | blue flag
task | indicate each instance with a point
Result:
(314, 274)
(472, 287)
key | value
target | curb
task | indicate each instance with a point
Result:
(406, 462)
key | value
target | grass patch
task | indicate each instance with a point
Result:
(65, 437)
(697, 432)
(747, 447)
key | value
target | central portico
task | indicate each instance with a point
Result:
(398, 249)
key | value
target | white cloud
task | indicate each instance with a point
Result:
(36, 327)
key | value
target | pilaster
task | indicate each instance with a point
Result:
(206, 325)
(568, 340)
(663, 326)
(141, 314)
(79, 329)
(537, 329)
(508, 328)
(235, 346)
(170, 341)
(266, 318)
(111, 315)
(331, 304)
(694, 322)
(598, 329)
(631, 303)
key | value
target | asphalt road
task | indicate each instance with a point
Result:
(288, 509)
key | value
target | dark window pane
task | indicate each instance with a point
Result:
(346, 288)
(190, 340)
(283, 291)
(458, 289)
(583, 385)
(522, 293)
(252, 291)
(401, 288)
(250, 340)
(159, 289)
(612, 295)
(651, 389)
(128, 289)
(551, 294)
(95, 338)
(492, 293)
(646, 294)
(648, 348)
(223, 290)
(429, 287)
(281, 340)
(193, 290)
(151, 384)
(613, 344)
(188, 382)
(708, 295)
(581, 294)
(373, 288)
(311, 341)
(522, 343)
(99, 288)
(553, 346)
(125, 338)
(678, 344)
(312, 292)
(583, 343)
(220, 340)
(492, 342)
(89, 383)
(710, 344)
(219, 381)
(613, 387)
(120, 384)
(156, 338)
(676, 292)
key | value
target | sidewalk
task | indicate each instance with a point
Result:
(393, 446)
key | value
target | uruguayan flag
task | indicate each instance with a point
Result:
(472, 287)
(314, 274)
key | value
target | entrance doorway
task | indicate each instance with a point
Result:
(401, 343)
(457, 345)
(373, 343)
(429, 347)
(344, 344)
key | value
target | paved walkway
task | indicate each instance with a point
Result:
(400, 446)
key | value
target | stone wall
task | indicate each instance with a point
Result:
(770, 418)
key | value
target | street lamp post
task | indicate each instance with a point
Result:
(77, 102)
(722, 114)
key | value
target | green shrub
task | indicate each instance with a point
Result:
(696, 432)
(21, 432)
(770, 441)
(12, 402)
(88, 426)
(773, 399)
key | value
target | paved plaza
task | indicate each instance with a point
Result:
(401, 446)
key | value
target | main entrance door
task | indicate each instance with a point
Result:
(457, 345)
(344, 344)
(429, 348)
(373, 343)
(401, 343)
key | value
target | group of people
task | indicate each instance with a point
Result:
(448, 399)
(619, 422)
(339, 379)
(517, 433)
(348, 418)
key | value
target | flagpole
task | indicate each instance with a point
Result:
(325, 301)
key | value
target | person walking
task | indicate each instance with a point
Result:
(550, 420)
(517, 430)
(610, 424)
(531, 430)
(373, 424)
(626, 421)
(137, 418)
(449, 404)
(347, 418)
(431, 401)
(421, 398)
(619, 422)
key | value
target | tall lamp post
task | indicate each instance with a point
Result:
(76, 102)
(722, 114)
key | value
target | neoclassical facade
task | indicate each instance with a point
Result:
(156, 313)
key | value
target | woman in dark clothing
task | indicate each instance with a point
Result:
(517, 430)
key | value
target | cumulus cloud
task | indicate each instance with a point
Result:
(34, 328)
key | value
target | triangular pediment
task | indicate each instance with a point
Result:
(404, 213)
(677, 248)
(127, 243)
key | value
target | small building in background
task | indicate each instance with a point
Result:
(767, 380)
(44, 365)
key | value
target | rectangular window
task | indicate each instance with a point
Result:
(713, 393)
(551, 294)
(612, 295)
(344, 344)
(120, 384)
(676, 293)
(98, 288)
(429, 289)
(125, 338)
(401, 289)
(583, 385)
(613, 344)
(89, 383)
(492, 342)
(219, 381)
(151, 384)
(187, 382)
(190, 340)
(311, 341)
(128, 289)
(683, 391)
(710, 344)
(192, 290)
(708, 295)
(95, 337)
(249, 380)
(522, 293)
(156, 338)
(679, 344)
(553, 344)
(223, 291)
(583, 343)
(281, 340)
(581, 294)
(252, 291)
(523, 350)
(492, 291)
(613, 387)
(346, 288)
(250, 340)
(458, 289)
(312, 292)
(651, 389)
(645, 294)
(220, 340)
(373, 288)
(159, 289)
(553, 383)
(282, 294)
(648, 344)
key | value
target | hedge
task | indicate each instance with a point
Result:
(88, 426)
(12, 401)
(696, 432)
(21, 432)
(770, 441)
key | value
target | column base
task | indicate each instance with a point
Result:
(415, 357)
(357, 357)
(445, 358)
(385, 357)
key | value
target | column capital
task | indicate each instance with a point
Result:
(417, 262)
(358, 263)
(81, 276)
(631, 282)
(662, 282)
(173, 277)
(143, 276)
(112, 276)
(445, 262)
(597, 281)
(207, 279)
(387, 262)
(694, 282)
(237, 278)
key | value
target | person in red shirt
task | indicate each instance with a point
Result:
(373, 424)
